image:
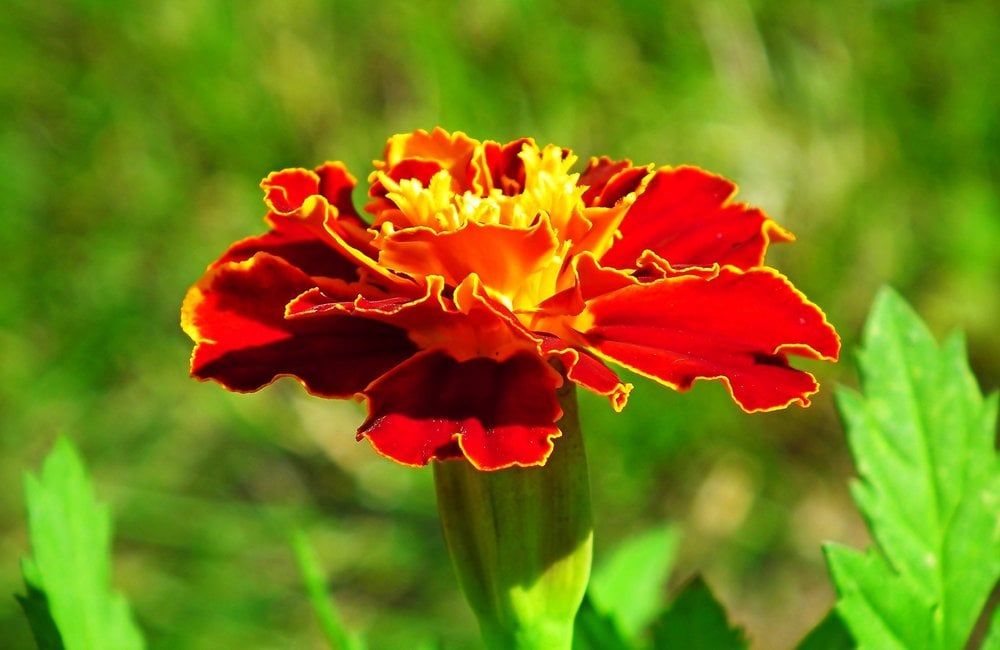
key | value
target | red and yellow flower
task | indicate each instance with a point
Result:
(481, 265)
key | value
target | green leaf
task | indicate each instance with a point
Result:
(829, 634)
(336, 634)
(696, 621)
(68, 575)
(992, 638)
(594, 630)
(36, 608)
(629, 586)
(922, 437)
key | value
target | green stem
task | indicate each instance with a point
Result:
(520, 540)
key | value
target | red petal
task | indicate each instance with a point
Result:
(337, 184)
(297, 244)
(588, 279)
(452, 152)
(506, 169)
(292, 206)
(285, 191)
(320, 202)
(609, 181)
(685, 216)
(235, 315)
(496, 414)
(586, 370)
(737, 326)
(468, 325)
(595, 280)
(422, 170)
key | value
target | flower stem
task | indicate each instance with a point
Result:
(521, 540)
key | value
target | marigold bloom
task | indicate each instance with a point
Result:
(482, 264)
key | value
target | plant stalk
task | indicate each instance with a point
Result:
(521, 540)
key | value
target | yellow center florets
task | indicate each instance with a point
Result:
(548, 213)
(549, 188)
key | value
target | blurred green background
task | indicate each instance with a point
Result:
(132, 138)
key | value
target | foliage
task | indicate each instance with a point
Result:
(830, 634)
(337, 636)
(923, 439)
(70, 603)
(697, 621)
(628, 585)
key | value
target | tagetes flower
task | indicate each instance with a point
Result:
(482, 264)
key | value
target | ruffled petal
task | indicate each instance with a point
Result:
(504, 165)
(502, 256)
(608, 181)
(736, 326)
(594, 279)
(495, 414)
(685, 215)
(421, 170)
(336, 185)
(586, 370)
(236, 316)
(285, 191)
(300, 198)
(452, 152)
(320, 201)
(469, 324)
(296, 244)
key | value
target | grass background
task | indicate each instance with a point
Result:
(132, 138)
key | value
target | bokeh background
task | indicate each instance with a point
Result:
(132, 138)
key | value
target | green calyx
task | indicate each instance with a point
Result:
(521, 540)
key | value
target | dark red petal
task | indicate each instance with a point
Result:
(609, 181)
(506, 169)
(346, 234)
(469, 324)
(496, 414)
(737, 326)
(336, 184)
(319, 202)
(685, 216)
(235, 315)
(598, 172)
(295, 243)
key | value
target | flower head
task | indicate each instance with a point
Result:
(480, 265)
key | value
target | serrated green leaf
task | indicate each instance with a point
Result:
(594, 630)
(829, 634)
(696, 621)
(337, 636)
(922, 437)
(70, 564)
(629, 586)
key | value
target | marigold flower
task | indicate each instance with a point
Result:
(484, 263)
